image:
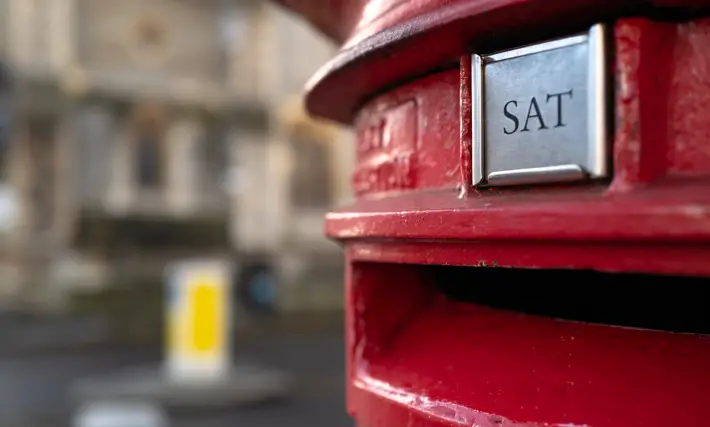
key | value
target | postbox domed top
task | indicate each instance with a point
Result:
(388, 42)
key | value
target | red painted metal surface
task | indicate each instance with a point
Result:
(418, 358)
(660, 192)
(428, 34)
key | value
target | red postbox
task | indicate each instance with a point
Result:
(530, 244)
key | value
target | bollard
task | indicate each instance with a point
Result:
(198, 313)
(199, 371)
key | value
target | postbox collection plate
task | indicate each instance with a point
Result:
(539, 112)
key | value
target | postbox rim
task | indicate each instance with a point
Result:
(437, 39)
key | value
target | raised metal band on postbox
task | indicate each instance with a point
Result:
(539, 112)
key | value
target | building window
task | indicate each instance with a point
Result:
(149, 162)
(214, 157)
(41, 145)
(311, 181)
(6, 116)
(149, 126)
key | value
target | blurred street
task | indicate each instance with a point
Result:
(34, 386)
(162, 186)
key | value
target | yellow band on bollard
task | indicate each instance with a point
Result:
(198, 313)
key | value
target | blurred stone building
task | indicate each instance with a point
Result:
(147, 131)
(293, 179)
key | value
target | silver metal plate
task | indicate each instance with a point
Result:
(539, 112)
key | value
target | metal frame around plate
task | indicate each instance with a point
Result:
(597, 166)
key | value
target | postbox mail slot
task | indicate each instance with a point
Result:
(434, 345)
(539, 112)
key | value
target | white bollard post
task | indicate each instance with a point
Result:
(198, 321)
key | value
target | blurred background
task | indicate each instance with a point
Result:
(136, 134)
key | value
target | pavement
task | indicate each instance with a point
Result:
(35, 384)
